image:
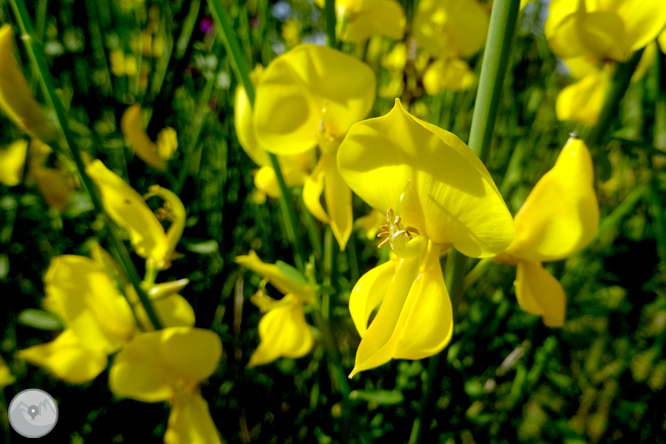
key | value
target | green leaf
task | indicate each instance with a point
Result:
(384, 397)
(291, 273)
(40, 319)
(201, 246)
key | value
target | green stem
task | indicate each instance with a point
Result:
(224, 26)
(40, 69)
(616, 91)
(495, 62)
(479, 270)
(329, 11)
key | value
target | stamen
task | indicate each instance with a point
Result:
(392, 231)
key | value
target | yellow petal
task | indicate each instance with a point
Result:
(172, 310)
(193, 353)
(540, 294)
(67, 358)
(283, 333)
(583, 101)
(338, 201)
(167, 143)
(647, 59)
(129, 210)
(89, 303)
(266, 182)
(447, 193)
(643, 20)
(190, 421)
(561, 214)
(662, 41)
(313, 189)
(15, 97)
(385, 18)
(275, 276)
(139, 141)
(245, 129)
(453, 74)
(54, 187)
(309, 91)
(12, 161)
(455, 28)
(6, 377)
(369, 292)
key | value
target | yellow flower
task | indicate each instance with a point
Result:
(6, 377)
(15, 97)
(122, 64)
(294, 168)
(436, 194)
(283, 330)
(169, 365)
(12, 162)
(129, 210)
(154, 154)
(603, 29)
(447, 73)
(312, 95)
(559, 217)
(361, 19)
(583, 100)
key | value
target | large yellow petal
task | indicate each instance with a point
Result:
(193, 353)
(139, 141)
(89, 303)
(190, 421)
(308, 92)
(15, 97)
(561, 214)
(453, 74)
(455, 28)
(129, 210)
(67, 358)
(583, 101)
(643, 20)
(448, 194)
(338, 201)
(385, 18)
(369, 292)
(12, 161)
(539, 293)
(275, 276)
(283, 333)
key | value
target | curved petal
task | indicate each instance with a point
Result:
(643, 20)
(447, 193)
(540, 294)
(190, 421)
(132, 129)
(67, 358)
(274, 275)
(139, 371)
(385, 18)
(89, 302)
(561, 214)
(369, 292)
(173, 310)
(192, 353)
(15, 97)
(245, 129)
(12, 161)
(128, 209)
(312, 191)
(453, 74)
(338, 201)
(583, 101)
(308, 91)
(266, 182)
(283, 332)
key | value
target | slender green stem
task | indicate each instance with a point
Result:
(329, 11)
(476, 272)
(39, 67)
(242, 70)
(495, 62)
(616, 91)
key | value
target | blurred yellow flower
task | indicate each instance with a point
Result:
(559, 217)
(436, 194)
(6, 377)
(283, 330)
(583, 100)
(129, 210)
(447, 73)
(12, 162)
(154, 154)
(295, 168)
(310, 96)
(15, 97)
(169, 365)
(122, 64)
(359, 20)
(603, 30)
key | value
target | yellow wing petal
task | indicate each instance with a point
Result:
(540, 294)
(139, 141)
(67, 358)
(192, 353)
(448, 194)
(313, 189)
(190, 421)
(583, 101)
(245, 129)
(368, 293)
(338, 201)
(15, 97)
(561, 214)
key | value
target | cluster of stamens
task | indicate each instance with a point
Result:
(392, 229)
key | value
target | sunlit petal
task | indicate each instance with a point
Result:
(193, 353)
(539, 293)
(190, 421)
(369, 292)
(338, 201)
(583, 101)
(12, 161)
(313, 189)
